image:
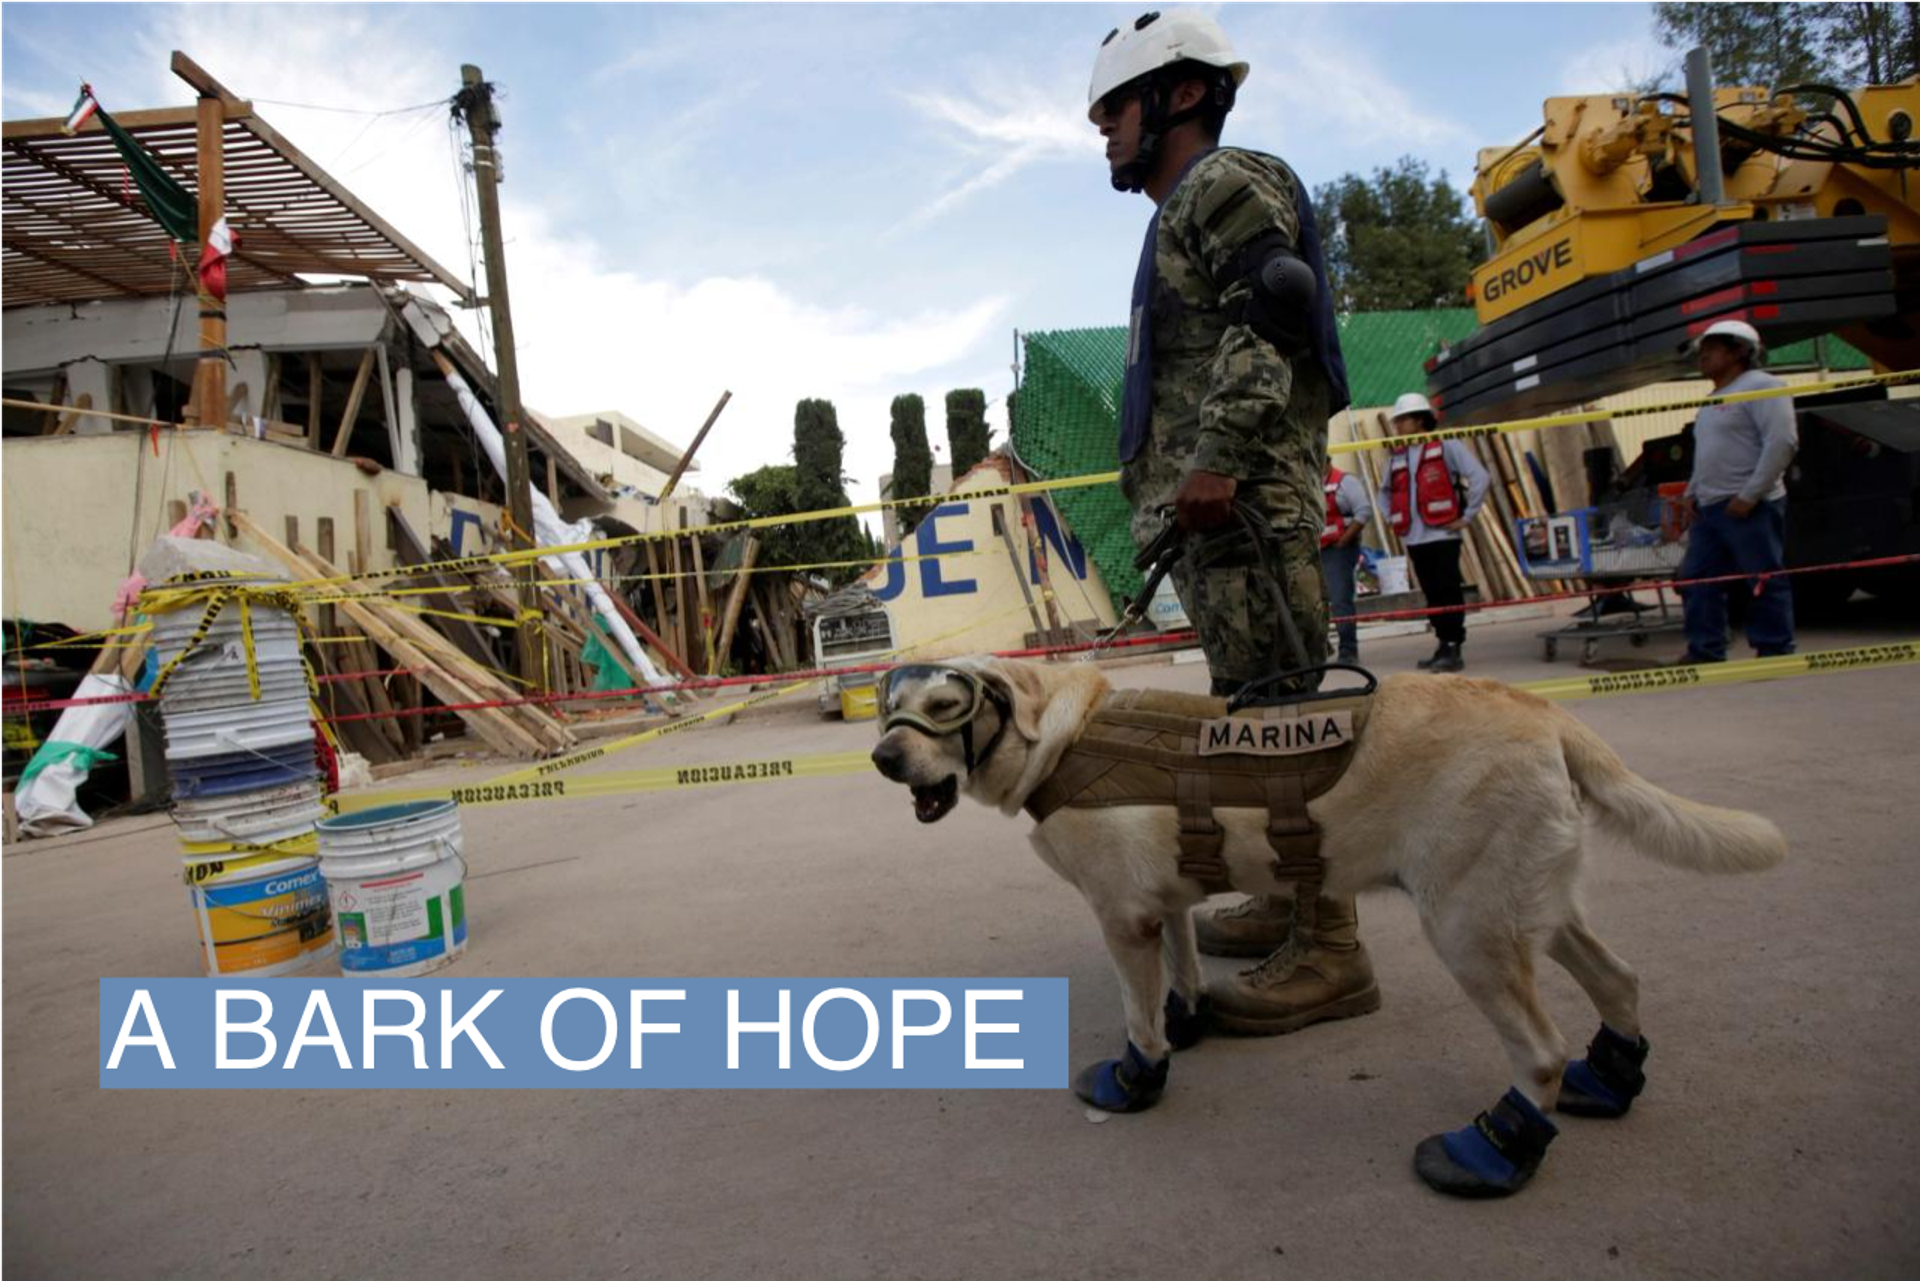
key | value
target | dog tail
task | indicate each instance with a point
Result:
(1667, 828)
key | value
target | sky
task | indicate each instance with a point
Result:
(847, 201)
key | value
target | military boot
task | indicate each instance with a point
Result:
(1309, 980)
(1253, 928)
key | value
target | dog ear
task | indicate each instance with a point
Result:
(1024, 690)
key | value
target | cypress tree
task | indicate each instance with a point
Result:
(969, 439)
(912, 457)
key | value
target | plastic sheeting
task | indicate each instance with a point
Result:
(46, 801)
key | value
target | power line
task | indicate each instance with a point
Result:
(350, 111)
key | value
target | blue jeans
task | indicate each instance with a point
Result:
(1721, 543)
(1338, 565)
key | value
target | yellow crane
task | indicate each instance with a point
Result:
(1625, 224)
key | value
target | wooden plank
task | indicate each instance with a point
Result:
(736, 597)
(409, 550)
(500, 731)
(676, 588)
(388, 414)
(363, 529)
(83, 401)
(233, 505)
(648, 635)
(316, 393)
(352, 412)
(680, 468)
(705, 602)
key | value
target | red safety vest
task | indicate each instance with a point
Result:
(1336, 523)
(1432, 485)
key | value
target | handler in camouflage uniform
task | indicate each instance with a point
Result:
(1234, 368)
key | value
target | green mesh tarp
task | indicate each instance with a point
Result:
(1065, 424)
(1067, 414)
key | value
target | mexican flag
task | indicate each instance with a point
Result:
(84, 108)
(167, 202)
(213, 259)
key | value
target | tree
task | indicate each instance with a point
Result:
(1398, 241)
(817, 484)
(969, 439)
(1783, 44)
(912, 458)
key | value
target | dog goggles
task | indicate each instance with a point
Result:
(975, 694)
(972, 690)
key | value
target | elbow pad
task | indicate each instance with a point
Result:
(1278, 303)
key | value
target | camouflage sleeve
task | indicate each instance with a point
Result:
(1236, 199)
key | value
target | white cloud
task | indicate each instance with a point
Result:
(1001, 140)
(592, 334)
(664, 353)
(1310, 75)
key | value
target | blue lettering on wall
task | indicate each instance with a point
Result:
(929, 544)
(460, 522)
(896, 579)
(1065, 545)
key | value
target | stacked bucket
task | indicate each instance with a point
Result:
(234, 696)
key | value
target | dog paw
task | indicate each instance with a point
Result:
(1608, 1080)
(1187, 1025)
(1129, 1084)
(1493, 1157)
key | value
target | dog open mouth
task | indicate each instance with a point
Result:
(931, 804)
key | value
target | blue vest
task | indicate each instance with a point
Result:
(1136, 404)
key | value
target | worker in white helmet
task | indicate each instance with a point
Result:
(1233, 369)
(1739, 496)
(1431, 493)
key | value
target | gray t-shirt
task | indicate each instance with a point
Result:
(1742, 450)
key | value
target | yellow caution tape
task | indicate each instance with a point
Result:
(514, 788)
(1735, 672)
(1107, 478)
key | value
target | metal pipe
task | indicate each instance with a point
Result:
(1706, 129)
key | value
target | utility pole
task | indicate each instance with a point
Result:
(483, 122)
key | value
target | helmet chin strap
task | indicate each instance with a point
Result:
(1155, 122)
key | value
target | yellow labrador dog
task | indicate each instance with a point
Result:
(1467, 794)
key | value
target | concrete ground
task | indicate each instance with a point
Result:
(1777, 1138)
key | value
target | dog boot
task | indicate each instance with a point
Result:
(1253, 928)
(1608, 1080)
(1307, 981)
(1448, 659)
(1187, 1025)
(1130, 1084)
(1495, 1156)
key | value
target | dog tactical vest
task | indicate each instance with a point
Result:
(1154, 747)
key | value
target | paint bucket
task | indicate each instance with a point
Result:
(222, 680)
(237, 727)
(260, 816)
(209, 776)
(262, 918)
(860, 702)
(1392, 573)
(397, 884)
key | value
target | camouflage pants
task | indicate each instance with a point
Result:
(1235, 605)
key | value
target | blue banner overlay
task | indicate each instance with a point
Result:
(812, 1033)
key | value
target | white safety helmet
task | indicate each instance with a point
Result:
(1412, 403)
(1156, 40)
(1738, 331)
